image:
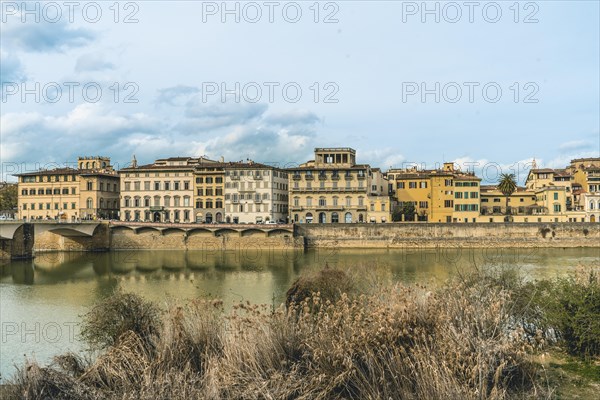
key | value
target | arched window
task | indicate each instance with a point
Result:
(348, 218)
(335, 218)
(295, 217)
(89, 203)
(360, 218)
(147, 201)
(309, 218)
(136, 201)
(591, 204)
(335, 200)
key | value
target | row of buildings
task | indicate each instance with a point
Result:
(332, 188)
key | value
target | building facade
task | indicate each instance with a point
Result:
(438, 195)
(209, 191)
(90, 191)
(255, 193)
(332, 188)
(158, 192)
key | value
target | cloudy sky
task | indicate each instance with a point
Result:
(486, 84)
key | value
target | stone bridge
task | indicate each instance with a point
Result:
(67, 229)
(241, 230)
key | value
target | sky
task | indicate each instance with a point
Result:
(489, 85)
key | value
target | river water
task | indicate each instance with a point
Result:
(41, 300)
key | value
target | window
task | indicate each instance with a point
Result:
(296, 201)
(25, 206)
(322, 202)
(167, 201)
(199, 180)
(127, 186)
(209, 179)
(136, 201)
(423, 184)
(199, 204)
(89, 203)
(146, 201)
(557, 207)
(186, 201)
(72, 206)
(156, 186)
(335, 200)
(65, 191)
(186, 185)
(219, 203)
(219, 179)
(56, 191)
(448, 203)
(348, 201)
(412, 185)
(167, 185)
(458, 195)
(147, 185)
(176, 185)
(309, 201)
(400, 185)
(423, 204)
(555, 196)
(177, 201)
(90, 186)
(361, 201)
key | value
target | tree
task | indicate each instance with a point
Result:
(407, 209)
(8, 197)
(507, 185)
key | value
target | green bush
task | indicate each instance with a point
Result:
(572, 308)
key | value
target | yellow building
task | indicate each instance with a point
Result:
(333, 188)
(89, 191)
(438, 195)
(209, 191)
(586, 173)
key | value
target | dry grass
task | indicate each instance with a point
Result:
(458, 341)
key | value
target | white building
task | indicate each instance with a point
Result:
(591, 206)
(255, 193)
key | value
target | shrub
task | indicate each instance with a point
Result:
(330, 283)
(572, 308)
(107, 321)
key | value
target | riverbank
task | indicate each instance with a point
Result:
(478, 336)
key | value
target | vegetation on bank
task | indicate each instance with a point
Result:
(479, 336)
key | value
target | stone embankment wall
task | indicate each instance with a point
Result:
(50, 241)
(420, 235)
(124, 238)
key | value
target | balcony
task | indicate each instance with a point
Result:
(322, 177)
(258, 177)
(296, 177)
(156, 208)
(348, 177)
(308, 177)
(234, 177)
(331, 208)
(335, 177)
(361, 177)
(257, 200)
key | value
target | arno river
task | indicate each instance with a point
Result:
(41, 300)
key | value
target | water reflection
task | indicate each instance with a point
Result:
(56, 288)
